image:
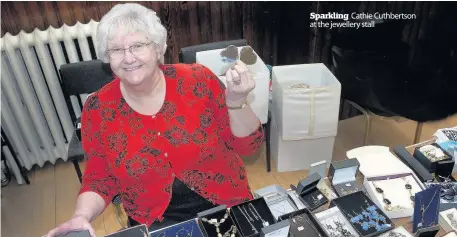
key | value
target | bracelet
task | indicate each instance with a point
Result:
(242, 106)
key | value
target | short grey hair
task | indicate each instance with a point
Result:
(130, 18)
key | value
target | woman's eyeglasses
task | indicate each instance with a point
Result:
(137, 49)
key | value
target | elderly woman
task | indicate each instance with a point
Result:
(168, 138)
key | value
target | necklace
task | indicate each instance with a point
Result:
(246, 216)
(424, 209)
(264, 222)
(336, 228)
(395, 234)
(386, 201)
(369, 218)
(217, 223)
(410, 190)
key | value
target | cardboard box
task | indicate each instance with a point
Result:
(298, 154)
(305, 101)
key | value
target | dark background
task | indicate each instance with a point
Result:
(279, 32)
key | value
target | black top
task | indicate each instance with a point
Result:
(184, 205)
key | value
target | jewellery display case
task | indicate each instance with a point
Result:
(448, 220)
(252, 216)
(280, 229)
(335, 224)
(305, 225)
(188, 228)
(394, 193)
(448, 194)
(364, 216)
(136, 231)
(277, 200)
(342, 175)
(397, 232)
(428, 155)
(426, 208)
(218, 222)
(309, 194)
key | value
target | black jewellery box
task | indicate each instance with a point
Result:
(253, 218)
(443, 172)
(430, 157)
(217, 219)
(422, 173)
(365, 216)
(303, 223)
(343, 177)
(309, 194)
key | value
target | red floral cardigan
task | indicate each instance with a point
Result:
(190, 138)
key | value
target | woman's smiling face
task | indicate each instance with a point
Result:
(133, 58)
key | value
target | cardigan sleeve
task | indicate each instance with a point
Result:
(244, 146)
(97, 175)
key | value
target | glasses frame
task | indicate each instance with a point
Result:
(110, 52)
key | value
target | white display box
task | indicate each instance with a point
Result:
(258, 97)
(394, 189)
(399, 231)
(305, 113)
(448, 220)
(298, 155)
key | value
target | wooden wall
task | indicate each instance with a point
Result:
(278, 31)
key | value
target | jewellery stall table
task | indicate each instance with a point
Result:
(406, 222)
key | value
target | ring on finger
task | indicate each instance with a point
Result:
(237, 82)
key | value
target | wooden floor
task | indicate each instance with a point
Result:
(31, 210)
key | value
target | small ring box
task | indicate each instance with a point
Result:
(426, 162)
(309, 194)
(343, 174)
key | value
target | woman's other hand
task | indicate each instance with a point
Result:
(239, 83)
(76, 223)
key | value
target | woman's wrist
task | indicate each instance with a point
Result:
(235, 103)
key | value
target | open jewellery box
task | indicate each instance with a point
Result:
(309, 194)
(448, 220)
(428, 232)
(183, 229)
(303, 223)
(277, 200)
(335, 223)
(253, 218)
(394, 193)
(363, 214)
(217, 214)
(429, 155)
(343, 176)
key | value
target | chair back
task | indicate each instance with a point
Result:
(83, 78)
(188, 54)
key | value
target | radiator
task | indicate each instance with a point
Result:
(35, 117)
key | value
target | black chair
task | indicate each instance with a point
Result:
(84, 78)
(188, 55)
